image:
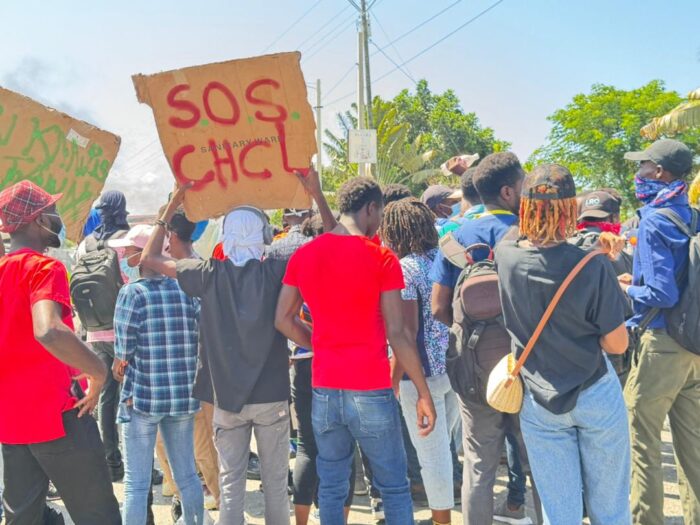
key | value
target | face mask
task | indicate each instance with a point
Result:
(646, 190)
(132, 274)
(58, 237)
(456, 210)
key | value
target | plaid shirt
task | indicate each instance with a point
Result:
(156, 328)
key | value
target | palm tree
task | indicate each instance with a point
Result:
(680, 118)
(398, 160)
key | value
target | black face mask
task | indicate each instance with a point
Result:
(56, 228)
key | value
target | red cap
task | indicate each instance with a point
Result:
(21, 203)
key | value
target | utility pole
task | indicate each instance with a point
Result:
(319, 133)
(368, 79)
(360, 81)
(361, 167)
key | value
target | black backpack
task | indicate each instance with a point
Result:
(587, 240)
(95, 284)
(478, 338)
(683, 320)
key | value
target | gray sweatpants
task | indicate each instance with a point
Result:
(232, 432)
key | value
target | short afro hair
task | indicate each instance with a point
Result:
(469, 191)
(395, 192)
(494, 172)
(181, 226)
(357, 193)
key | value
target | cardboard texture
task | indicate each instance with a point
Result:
(238, 129)
(57, 152)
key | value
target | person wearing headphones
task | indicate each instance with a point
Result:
(244, 368)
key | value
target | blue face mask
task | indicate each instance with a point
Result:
(456, 210)
(132, 274)
(62, 235)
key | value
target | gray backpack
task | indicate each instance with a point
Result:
(95, 284)
(683, 320)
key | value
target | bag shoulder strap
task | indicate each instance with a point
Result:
(91, 244)
(689, 231)
(550, 309)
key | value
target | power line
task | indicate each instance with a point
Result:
(406, 73)
(320, 45)
(345, 75)
(331, 19)
(441, 40)
(425, 50)
(292, 25)
(381, 27)
(431, 46)
(426, 21)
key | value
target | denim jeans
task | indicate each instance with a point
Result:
(433, 451)
(139, 443)
(339, 418)
(587, 449)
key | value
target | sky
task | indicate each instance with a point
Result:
(512, 66)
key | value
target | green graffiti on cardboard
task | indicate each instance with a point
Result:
(46, 157)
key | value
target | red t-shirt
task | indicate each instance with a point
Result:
(34, 385)
(341, 278)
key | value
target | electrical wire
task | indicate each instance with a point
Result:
(424, 22)
(406, 73)
(293, 24)
(331, 36)
(331, 19)
(424, 50)
(381, 27)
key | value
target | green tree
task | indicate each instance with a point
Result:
(592, 133)
(399, 158)
(415, 134)
(443, 124)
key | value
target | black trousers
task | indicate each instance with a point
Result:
(76, 465)
(305, 476)
(108, 405)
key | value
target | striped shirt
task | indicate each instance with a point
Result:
(156, 327)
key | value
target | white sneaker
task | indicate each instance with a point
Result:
(210, 502)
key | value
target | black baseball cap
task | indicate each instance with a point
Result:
(671, 155)
(549, 182)
(598, 205)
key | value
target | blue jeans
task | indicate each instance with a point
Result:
(587, 449)
(139, 443)
(434, 452)
(339, 418)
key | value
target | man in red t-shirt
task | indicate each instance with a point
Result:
(46, 430)
(352, 287)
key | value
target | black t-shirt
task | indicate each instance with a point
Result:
(243, 358)
(567, 357)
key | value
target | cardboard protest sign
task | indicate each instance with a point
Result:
(237, 129)
(57, 152)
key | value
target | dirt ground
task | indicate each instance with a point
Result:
(361, 514)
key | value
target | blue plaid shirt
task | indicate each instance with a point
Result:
(156, 329)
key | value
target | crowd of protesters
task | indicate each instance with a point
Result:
(343, 335)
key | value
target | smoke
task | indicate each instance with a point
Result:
(49, 84)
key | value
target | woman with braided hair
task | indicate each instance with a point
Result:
(573, 417)
(408, 229)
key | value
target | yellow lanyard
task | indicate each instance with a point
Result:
(495, 212)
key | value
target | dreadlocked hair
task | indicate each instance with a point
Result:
(548, 220)
(408, 227)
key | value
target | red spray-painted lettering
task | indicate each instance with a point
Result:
(192, 115)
